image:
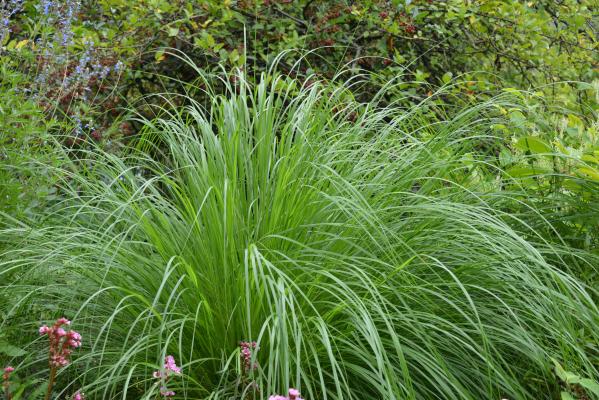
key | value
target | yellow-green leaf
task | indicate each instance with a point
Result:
(22, 43)
(590, 172)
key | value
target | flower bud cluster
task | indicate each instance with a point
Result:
(62, 342)
(170, 368)
(246, 355)
(293, 394)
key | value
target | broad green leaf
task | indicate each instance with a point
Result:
(505, 157)
(590, 172)
(10, 350)
(533, 144)
(159, 56)
(559, 370)
(572, 377)
(589, 385)
(524, 171)
(589, 158)
(566, 396)
(517, 117)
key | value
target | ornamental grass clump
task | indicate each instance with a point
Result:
(372, 257)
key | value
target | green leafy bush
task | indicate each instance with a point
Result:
(522, 44)
(26, 149)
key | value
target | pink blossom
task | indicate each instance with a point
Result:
(166, 393)
(6, 374)
(171, 365)
(62, 321)
(59, 360)
(79, 396)
(5, 381)
(246, 354)
(293, 394)
(61, 342)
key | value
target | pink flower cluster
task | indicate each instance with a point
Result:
(7, 372)
(293, 395)
(62, 342)
(246, 355)
(78, 396)
(170, 368)
(5, 383)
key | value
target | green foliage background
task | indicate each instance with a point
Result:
(546, 48)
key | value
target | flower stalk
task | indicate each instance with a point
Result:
(61, 345)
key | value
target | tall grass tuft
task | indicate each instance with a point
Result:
(346, 239)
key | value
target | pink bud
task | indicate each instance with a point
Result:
(44, 330)
(78, 396)
(166, 393)
(60, 332)
(75, 335)
(9, 369)
(62, 321)
(171, 365)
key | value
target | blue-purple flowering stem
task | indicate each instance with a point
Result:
(7, 10)
(47, 7)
